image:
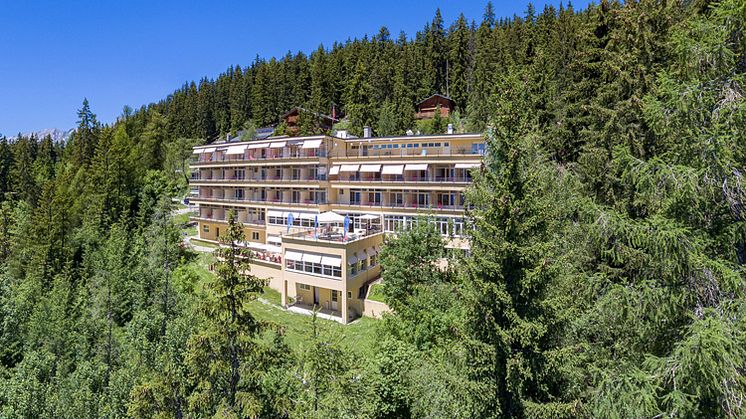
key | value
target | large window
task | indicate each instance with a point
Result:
(315, 268)
(445, 225)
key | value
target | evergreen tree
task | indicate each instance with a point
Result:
(227, 385)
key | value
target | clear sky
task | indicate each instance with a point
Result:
(53, 53)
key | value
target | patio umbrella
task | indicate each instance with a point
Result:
(330, 217)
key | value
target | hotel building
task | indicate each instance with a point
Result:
(294, 195)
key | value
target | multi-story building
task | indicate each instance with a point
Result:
(295, 195)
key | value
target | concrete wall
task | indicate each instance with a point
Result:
(375, 309)
(270, 271)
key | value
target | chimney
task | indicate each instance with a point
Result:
(367, 132)
(450, 128)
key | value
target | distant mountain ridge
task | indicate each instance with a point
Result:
(57, 134)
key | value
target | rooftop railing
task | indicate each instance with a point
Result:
(330, 234)
(249, 157)
(411, 153)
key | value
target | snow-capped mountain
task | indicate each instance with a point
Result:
(57, 134)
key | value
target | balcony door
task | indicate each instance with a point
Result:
(335, 300)
(355, 197)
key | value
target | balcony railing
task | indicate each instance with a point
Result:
(266, 179)
(408, 179)
(402, 205)
(411, 153)
(211, 217)
(251, 158)
(330, 234)
(303, 202)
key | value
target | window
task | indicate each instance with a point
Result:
(349, 294)
(205, 228)
(313, 268)
(304, 287)
(255, 235)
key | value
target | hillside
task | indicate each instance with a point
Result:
(605, 275)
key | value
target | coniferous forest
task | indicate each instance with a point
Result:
(608, 244)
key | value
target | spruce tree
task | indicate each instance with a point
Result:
(226, 377)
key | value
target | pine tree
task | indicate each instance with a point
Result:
(226, 384)
(459, 62)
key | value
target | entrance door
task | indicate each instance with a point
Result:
(315, 296)
(335, 299)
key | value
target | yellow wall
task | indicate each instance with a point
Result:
(223, 227)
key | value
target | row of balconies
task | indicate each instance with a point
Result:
(259, 179)
(246, 199)
(257, 155)
(413, 152)
(377, 177)
(409, 201)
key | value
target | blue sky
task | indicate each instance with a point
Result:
(116, 53)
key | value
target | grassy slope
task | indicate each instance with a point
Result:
(375, 293)
(359, 336)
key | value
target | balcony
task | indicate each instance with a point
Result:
(330, 234)
(412, 153)
(211, 218)
(406, 179)
(266, 201)
(249, 157)
(401, 205)
(265, 179)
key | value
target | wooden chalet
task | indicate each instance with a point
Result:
(426, 107)
(292, 120)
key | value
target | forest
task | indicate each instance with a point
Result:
(607, 226)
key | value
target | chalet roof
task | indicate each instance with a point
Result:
(435, 95)
(318, 114)
(262, 133)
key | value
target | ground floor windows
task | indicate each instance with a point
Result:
(205, 228)
(304, 287)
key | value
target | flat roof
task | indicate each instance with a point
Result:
(472, 135)
(263, 141)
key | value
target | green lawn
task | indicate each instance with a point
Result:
(181, 219)
(204, 243)
(376, 293)
(357, 336)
